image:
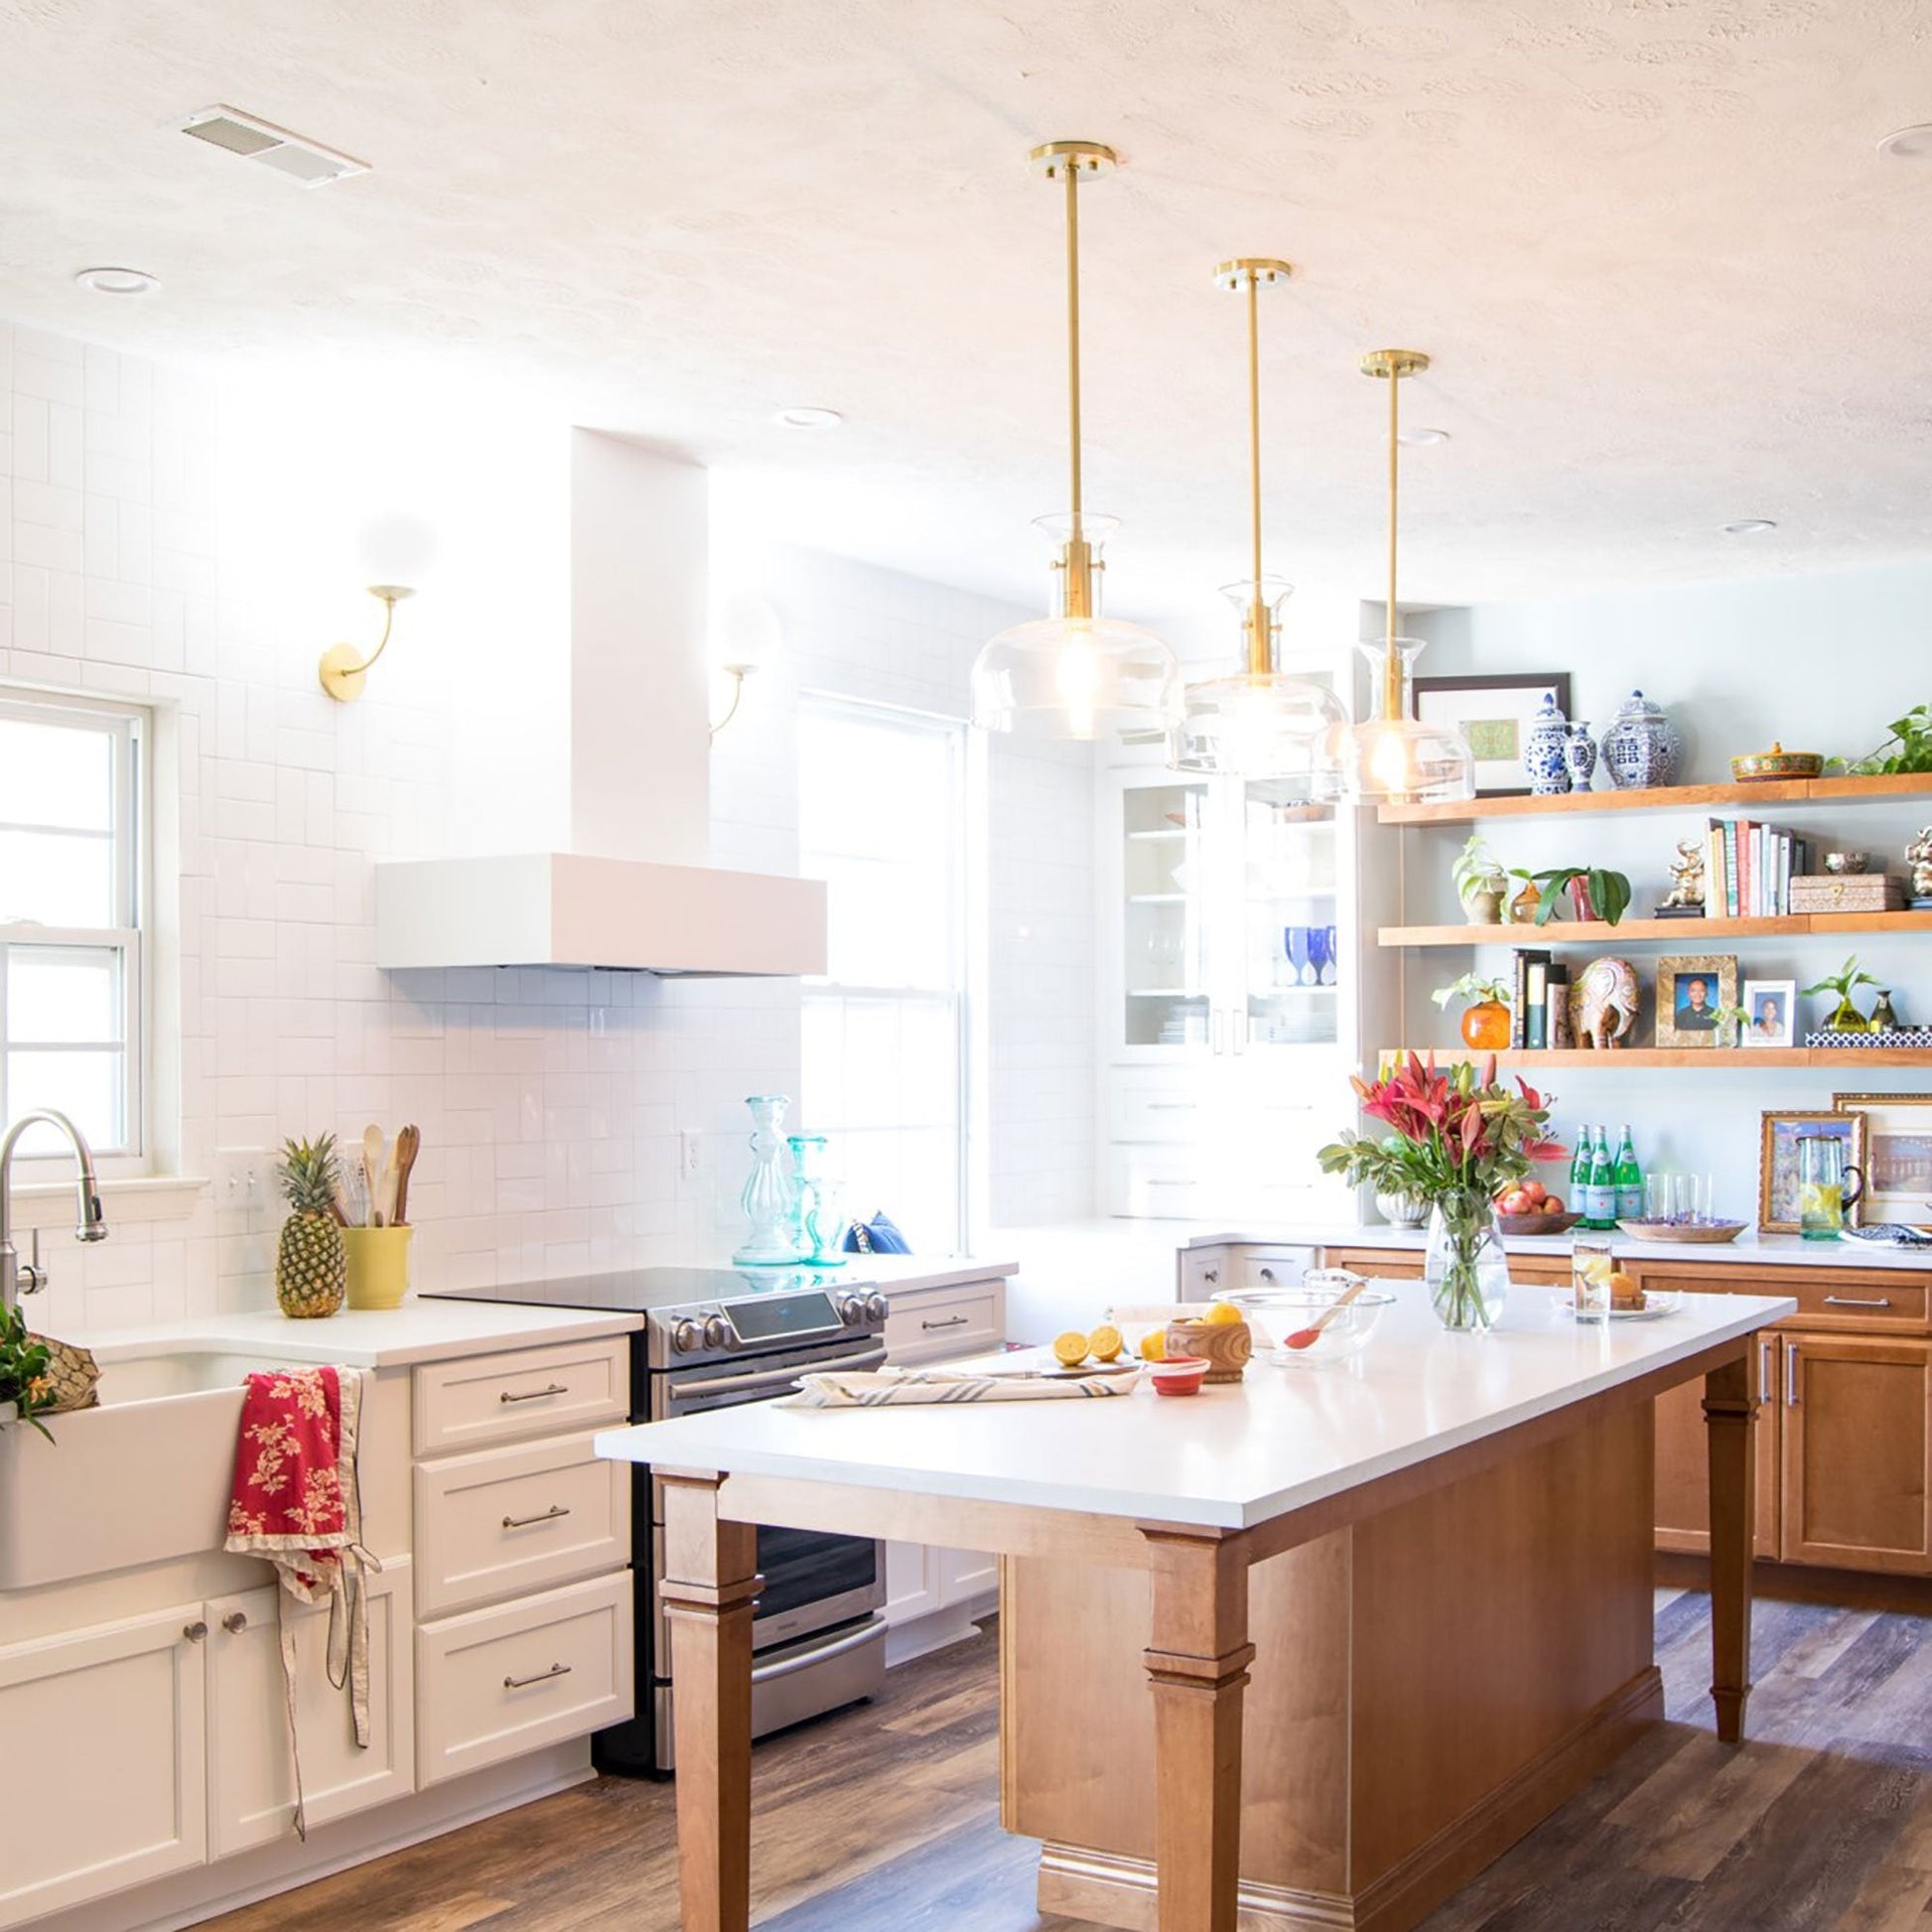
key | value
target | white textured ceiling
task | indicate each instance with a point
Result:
(1665, 277)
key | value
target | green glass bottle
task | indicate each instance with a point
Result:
(1628, 1178)
(1601, 1192)
(1580, 1176)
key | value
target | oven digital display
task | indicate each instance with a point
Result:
(782, 1316)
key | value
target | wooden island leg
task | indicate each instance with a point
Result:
(1729, 1413)
(1198, 1665)
(709, 1589)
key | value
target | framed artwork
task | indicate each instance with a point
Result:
(1494, 714)
(1777, 1161)
(1770, 1010)
(1897, 1156)
(1690, 987)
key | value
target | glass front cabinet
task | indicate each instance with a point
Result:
(1233, 1009)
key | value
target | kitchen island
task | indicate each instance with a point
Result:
(1507, 1479)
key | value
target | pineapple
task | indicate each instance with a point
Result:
(310, 1265)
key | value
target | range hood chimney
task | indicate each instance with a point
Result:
(635, 889)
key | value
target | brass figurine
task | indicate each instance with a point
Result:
(1686, 878)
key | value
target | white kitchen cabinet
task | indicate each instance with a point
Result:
(105, 1730)
(251, 1772)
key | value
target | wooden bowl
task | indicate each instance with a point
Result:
(1521, 1224)
(1709, 1232)
(1227, 1346)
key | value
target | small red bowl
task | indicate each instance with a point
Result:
(1180, 1375)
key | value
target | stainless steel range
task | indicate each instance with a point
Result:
(713, 1338)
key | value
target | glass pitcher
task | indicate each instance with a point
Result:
(1827, 1185)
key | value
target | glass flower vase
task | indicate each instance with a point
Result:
(1463, 1266)
(770, 1196)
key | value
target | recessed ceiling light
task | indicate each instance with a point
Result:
(1748, 526)
(808, 418)
(117, 281)
(1418, 438)
(1908, 143)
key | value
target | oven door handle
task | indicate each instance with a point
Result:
(785, 1667)
(776, 1378)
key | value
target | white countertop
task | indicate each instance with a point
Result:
(1229, 1458)
(418, 1331)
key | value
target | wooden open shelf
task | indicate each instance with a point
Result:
(1689, 934)
(1710, 1059)
(1667, 798)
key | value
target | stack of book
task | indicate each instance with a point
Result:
(1538, 1006)
(1749, 868)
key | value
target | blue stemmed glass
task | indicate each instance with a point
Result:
(1320, 955)
(1295, 939)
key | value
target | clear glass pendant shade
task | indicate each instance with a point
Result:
(1076, 673)
(1394, 760)
(1257, 724)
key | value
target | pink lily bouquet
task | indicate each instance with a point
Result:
(1458, 1139)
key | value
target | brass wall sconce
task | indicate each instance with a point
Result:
(344, 670)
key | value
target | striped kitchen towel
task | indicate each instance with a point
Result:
(892, 1388)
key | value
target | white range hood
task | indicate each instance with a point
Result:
(633, 891)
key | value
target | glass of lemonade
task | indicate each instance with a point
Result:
(1591, 1264)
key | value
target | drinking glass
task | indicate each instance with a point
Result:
(1590, 1266)
(1692, 1197)
(1659, 1196)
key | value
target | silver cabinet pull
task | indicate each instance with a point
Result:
(235, 1623)
(1765, 1369)
(542, 1677)
(1857, 1302)
(951, 1321)
(1172, 1106)
(1268, 1274)
(195, 1631)
(550, 1515)
(1791, 1375)
(1210, 1274)
(535, 1395)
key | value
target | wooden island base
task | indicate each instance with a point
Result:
(1427, 1685)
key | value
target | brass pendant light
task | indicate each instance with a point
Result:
(1392, 759)
(1075, 673)
(1260, 723)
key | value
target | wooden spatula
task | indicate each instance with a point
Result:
(409, 1144)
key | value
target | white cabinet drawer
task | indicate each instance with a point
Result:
(517, 1519)
(1205, 1272)
(495, 1684)
(502, 1398)
(1256, 1267)
(954, 1321)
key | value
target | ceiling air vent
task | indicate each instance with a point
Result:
(301, 159)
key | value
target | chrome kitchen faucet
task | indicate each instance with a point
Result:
(16, 1281)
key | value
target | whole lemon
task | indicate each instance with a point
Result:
(1223, 1314)
(1153, 1345)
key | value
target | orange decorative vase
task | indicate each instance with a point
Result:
(1486, 1027)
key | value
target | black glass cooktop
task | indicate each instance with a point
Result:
(640, 1291)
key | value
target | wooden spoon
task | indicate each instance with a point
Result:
(372, 1173)
(409, 1144)
(1307, 1338)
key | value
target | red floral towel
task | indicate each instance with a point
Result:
(296, 1501)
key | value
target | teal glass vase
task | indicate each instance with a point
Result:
(770, 1195)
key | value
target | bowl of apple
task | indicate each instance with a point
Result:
(1529, 1207)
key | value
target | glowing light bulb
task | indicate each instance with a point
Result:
(1389, 763)
(1076, 678)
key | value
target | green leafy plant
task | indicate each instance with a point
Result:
(1842, 982)
(1476, 870)
(24, 1360)
(1908, 748)
(1607, 892)
(1477, 988)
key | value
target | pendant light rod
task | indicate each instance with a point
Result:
(1249, 275)
(1071, 176)
(1392, 364)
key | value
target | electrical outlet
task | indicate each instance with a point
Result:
(243, 1178)
(690, 1151)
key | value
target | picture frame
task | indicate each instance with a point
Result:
(1691, 989)
(1495, 713)
(1770, 1014)
(1777, 1161)
(1897, 1156)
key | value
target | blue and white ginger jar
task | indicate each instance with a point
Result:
(1580, 754)
(1641, 747)
(1543, 749)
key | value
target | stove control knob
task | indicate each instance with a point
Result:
(876, 1307)
(717, 1332)
(852, 1309)
(686, 1337)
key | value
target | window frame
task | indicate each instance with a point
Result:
(130, 730)
(954, 733)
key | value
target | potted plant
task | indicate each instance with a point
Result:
(1844, 1017)
(1486, 1019)
(24, 1358)
(1459, 1140)
(1596, 892)
(1480, 882)
(1908, 748)
(1522, 908)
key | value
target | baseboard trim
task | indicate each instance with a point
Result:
(1109, 1890)
(939, 1632)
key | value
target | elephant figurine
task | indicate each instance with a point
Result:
(1603, 1004)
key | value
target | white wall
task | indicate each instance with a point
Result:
(197, 551)
(1821, 662)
